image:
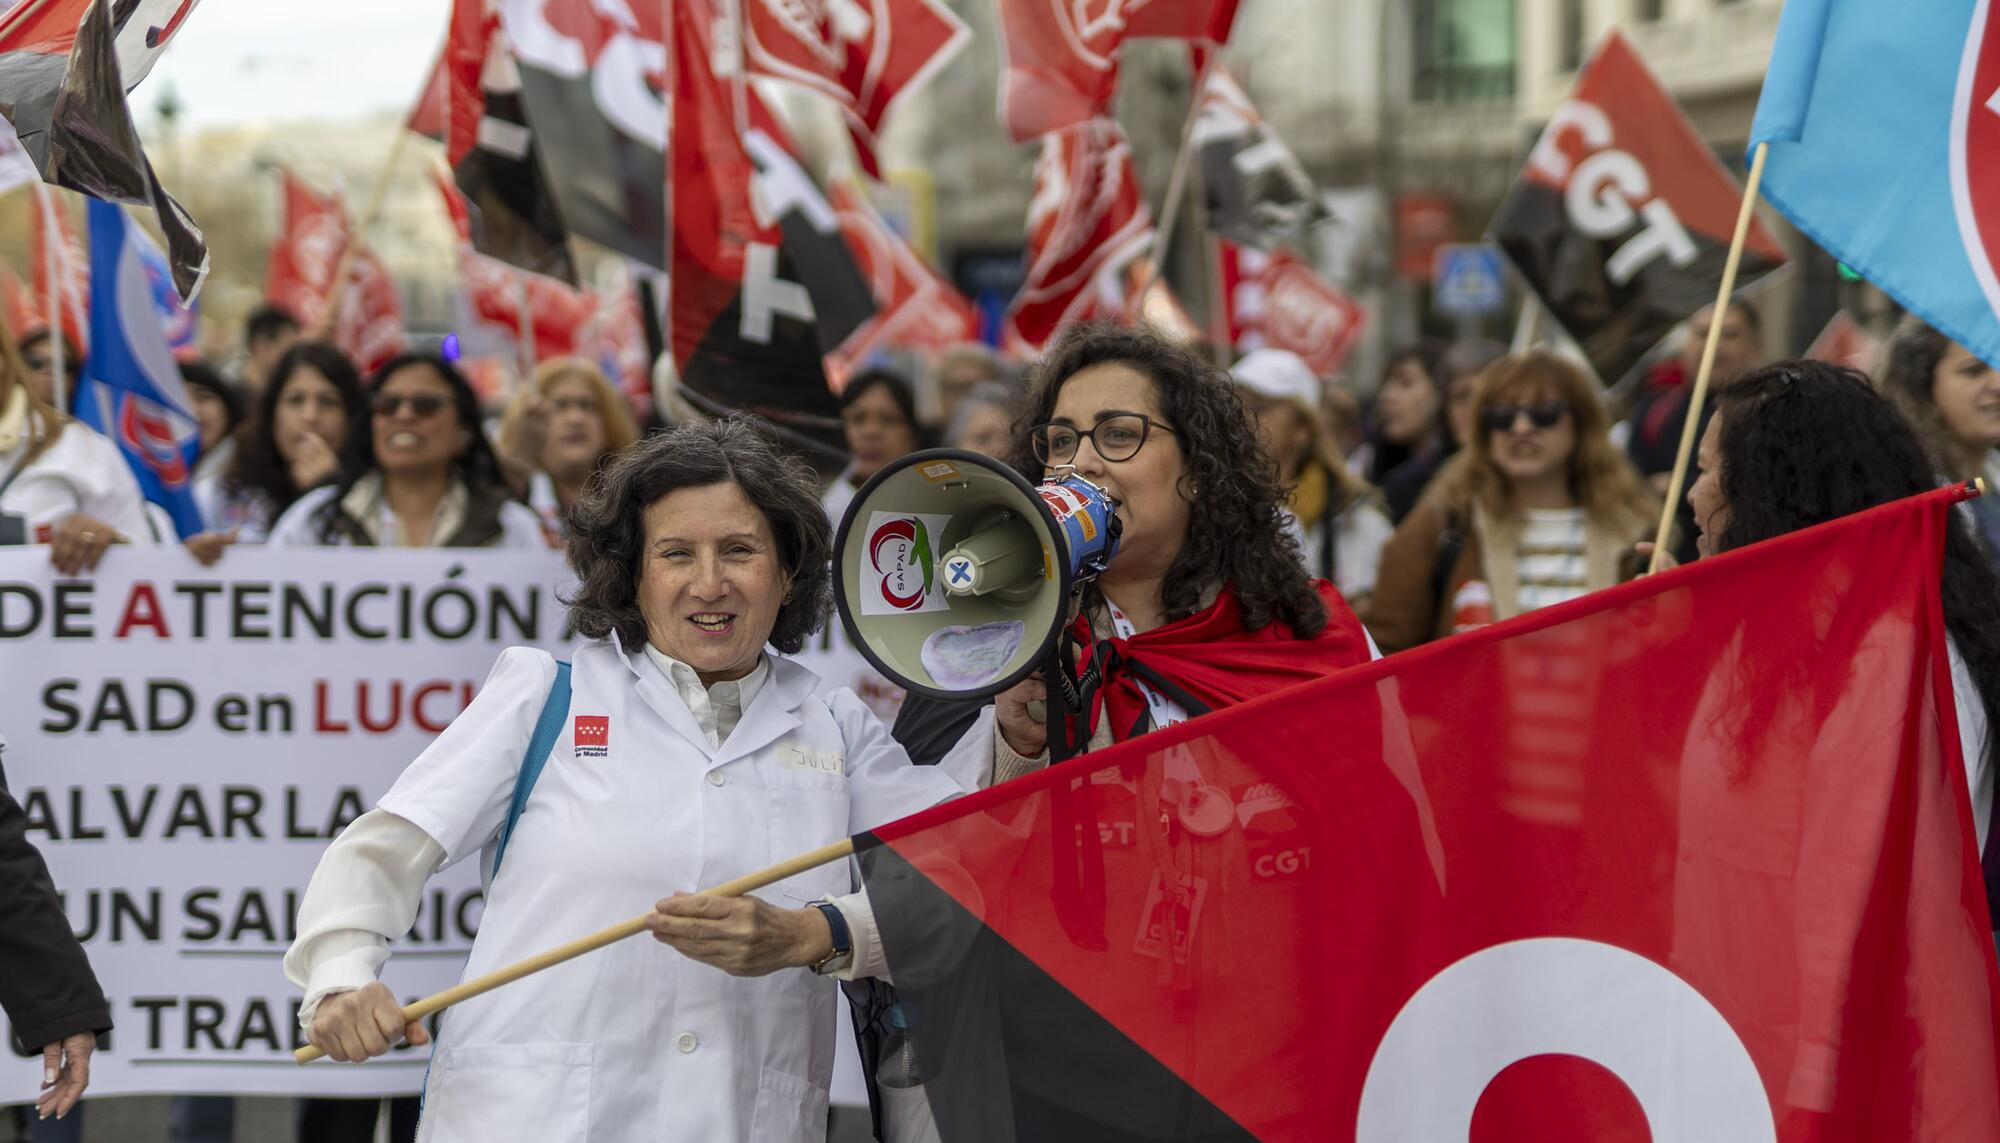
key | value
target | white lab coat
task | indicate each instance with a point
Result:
(635, 1041)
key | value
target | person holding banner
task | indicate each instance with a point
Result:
(423, 476)
(558, 431)
(1953, 400)
(311, 412)
(1799, 443)
(1542, 509)
(60, 483)
(678, 751)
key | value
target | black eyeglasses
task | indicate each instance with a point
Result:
(1541, 414)
(422, 404)
(1115, 438)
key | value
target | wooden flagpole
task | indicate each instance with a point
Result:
(1736, 242)
(1163, 227)
(838, 851)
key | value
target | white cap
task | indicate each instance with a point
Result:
(1278, 375)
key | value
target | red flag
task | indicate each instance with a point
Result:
(865, 55)
(1087, 227)
(1278, 301)
(1844, 342)
(1060, 57)
(763, 285)
(70, 264)
(1687, 859)
(300, 269)
(18, 305)
(501, 296)
(915, 307)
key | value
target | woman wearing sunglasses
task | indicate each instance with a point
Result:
(421, 476)
(1543, 508)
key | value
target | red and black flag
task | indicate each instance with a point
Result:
(1520, 884)
(65, 66)
(862, 54)
(472, 105)
(763, 285)
(591, 82)
(1621, 219)
(1258, 192)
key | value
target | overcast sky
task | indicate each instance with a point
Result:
(249, 60)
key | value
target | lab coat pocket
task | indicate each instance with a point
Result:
(789, 1110)
(508, 1091)
(809, 810)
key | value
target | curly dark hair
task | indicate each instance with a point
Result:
(1237, 531)
(257, 468)
(607, 535)
(1804, 442)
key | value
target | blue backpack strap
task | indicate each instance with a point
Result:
(548, 728)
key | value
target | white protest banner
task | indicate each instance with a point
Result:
(186, 740)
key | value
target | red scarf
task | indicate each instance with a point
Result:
(1214, 660)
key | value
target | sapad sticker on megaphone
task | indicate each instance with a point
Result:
(899, 564)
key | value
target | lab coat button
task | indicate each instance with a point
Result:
(686, 1042)
(715, 777)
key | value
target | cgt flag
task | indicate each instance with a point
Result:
(65, 67)
(132, 391)
(763, 286)
(1620, 220)
(591, 86)
(1885, 150)
(1258, 192)
(1519, 884)
(472, 104)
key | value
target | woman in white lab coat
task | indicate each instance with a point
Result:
(691, 756)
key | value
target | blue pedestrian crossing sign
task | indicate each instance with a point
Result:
(1468, 280)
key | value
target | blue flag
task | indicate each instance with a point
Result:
(1884, 128)
(132, 391)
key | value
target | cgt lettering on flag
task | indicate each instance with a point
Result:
(1621, 218)
(1607, 192)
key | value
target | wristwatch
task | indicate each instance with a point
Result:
(843, 941)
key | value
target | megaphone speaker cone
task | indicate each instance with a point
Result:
(953, 575)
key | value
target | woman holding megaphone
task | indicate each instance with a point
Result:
(1206, 592)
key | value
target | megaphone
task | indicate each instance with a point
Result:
(954, 576)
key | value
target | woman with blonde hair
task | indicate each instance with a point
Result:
(1543, 508)
(60, 482)
(558, 430)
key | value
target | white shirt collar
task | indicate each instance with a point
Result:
(716, 709)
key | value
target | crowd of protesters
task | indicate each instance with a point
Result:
(1475, 485)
